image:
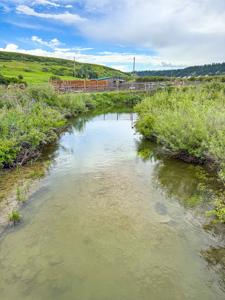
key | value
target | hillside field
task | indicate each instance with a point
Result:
(37, 69)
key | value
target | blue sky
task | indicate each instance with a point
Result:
(161, 34)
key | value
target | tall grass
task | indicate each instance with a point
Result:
(25, 124)
(189, 122)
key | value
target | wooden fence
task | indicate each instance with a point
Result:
(107, 85)
(80, 85)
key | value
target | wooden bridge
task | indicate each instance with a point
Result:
(81, 86)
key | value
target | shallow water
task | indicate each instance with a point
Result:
(113, 220)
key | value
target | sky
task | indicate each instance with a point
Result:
(161, 34)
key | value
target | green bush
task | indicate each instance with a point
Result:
(154, 78)
(14, 217)
(44, 69)
(27, 70)
(11, 80)
(219, 210)
(26, 122)
(189, 121)
(54, 77)
(115, 99)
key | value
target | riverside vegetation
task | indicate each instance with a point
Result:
(189, 122)
(32, 118)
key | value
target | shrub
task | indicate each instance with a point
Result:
(153, 78)
(14, 217)
(20, 194)
(26, 122)
(11, 80)
(219, 211)
(45, 69)
(53, 77)
(27, 70)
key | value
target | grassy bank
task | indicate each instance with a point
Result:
(190, 124)
(33, 117)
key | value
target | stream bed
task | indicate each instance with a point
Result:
(113, 220)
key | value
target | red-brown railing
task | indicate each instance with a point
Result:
(80, 85)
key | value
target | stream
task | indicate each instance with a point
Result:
(114, 220)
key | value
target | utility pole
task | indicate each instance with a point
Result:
(74, 62)
(134, 63)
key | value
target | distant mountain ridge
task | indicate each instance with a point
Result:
(210, 69)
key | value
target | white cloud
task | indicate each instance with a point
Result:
(123, 68)
(121, 61)
(181, 31)
(54, 43)
(10, 48)
(65, 17)
(44, 3)
(47, 3)
(52, 3)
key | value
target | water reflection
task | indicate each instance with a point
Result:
(191, 185)
(215, 258)
(194, 188)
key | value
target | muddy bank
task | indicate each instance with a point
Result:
(17, 186)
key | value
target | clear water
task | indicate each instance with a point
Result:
(113, 221)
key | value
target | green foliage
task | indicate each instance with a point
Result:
(188, 121)
(87, 72)
(153, 78)
(23, 189)
(11, 80)
(14, 217)
(193, 201)
(54, 77)
(27, 70)
(20, 194)
(26, 122)
(44, 69)
(3, 80)
(31, 118)
(116, 99)
(219, 211)
(8, 151)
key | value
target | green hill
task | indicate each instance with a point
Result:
(210, 70)
(38, 69)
